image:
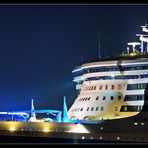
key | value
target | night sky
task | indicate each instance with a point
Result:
(41, 44)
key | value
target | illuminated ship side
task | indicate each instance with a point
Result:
(112, 88)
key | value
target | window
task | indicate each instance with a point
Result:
(81, 109)
(97, 108)
(106, 87)
(119, 87)
(111, 97)
(125, 108)
(141, 97)
(100, 87)
(87, 71)
(138, 108)
(92, 108)
(97, 98)
(87, 108)
(139, 86)
(133, 97)
(119, 97)
(119, 77)
(132, 108)
(136, 86)
(113, 87)
(102, 108)
(104, 97)
(94, 87)
(128, 98)
(89, 98)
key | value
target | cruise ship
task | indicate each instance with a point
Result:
(111, 105)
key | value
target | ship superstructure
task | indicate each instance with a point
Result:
(112, 88)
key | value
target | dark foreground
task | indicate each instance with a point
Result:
(38, 140)
(16, 139)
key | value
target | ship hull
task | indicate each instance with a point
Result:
(132, 129)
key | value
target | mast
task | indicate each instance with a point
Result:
(144, 38)
(99, 44)
(33, 115)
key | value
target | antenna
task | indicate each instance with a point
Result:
(99, 44)
(146, 22)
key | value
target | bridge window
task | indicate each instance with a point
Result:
(135, 108)
(139, 86)
(141, 97)
(134, 97)
(136, 86)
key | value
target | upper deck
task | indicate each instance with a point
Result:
(117, 60)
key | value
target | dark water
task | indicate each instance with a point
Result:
(37, 140)
(34, 140)
(15, 139)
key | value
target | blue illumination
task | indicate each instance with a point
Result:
(33, 115)
(112, 75)
(59, 117)
(65, 113)
(39, 111)
(14, 116)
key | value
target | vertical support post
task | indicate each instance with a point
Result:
(65, 113)
(99, 44)
(142, 47)
(147, 47)
(127, 50)
(12, 116)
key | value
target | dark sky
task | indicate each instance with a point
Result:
(41, 44)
